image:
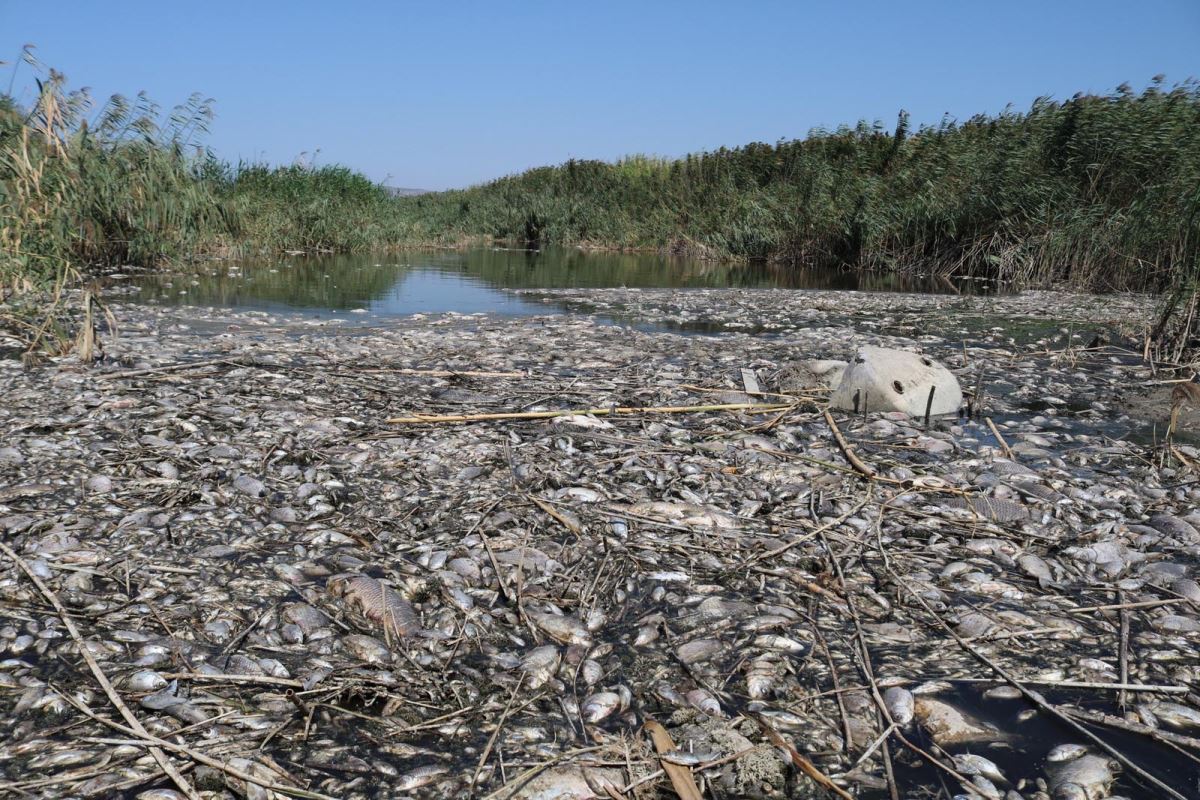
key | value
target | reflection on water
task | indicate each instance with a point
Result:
(470, 281)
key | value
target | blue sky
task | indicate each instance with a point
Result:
(437, 95)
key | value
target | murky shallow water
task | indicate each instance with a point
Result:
(372, 286)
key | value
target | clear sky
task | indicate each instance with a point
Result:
(446, 94)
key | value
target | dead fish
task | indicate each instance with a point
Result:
(771, 641)
(1176, 715)
(667, 693)
(1176, 528)
(932, 687)
(1066, 752)
(561, 628)
(25, 492)
(971, 764)
(685, 514)
(421, 776)
(305, 617)
(986, 788)
(784, 719)
(594, 620)
(703, 700)
(974, 625)
(766, 622)
(645, 635)
(367, 648)
(539, 665)
(949, 726)
(990, 508)
(377, 602)
(901, 705)
(698, 651)
(591, 672)
(250, 486)
(761, 677)
(1086, 777)
(145, 680)
(599, 705)
(690, 758)
(1111, 555)
(468, 569)
(1176, 623)
(1036, 568)
(60, 758)
(670, 576)
(1187, 588)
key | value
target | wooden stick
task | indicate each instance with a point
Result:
(801, 763)
(1100, 718)
(265, 680)
(487, 751)
(134, 724)
(681, 776)
(444, 373)
(851, 456)
(1123, 648)
(1128, 687)
(133, 373)
(566, 522)
(783, 548)
(598, 412)
(1120, 606)
(1008, 453)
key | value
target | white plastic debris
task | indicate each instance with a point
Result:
(881, 379)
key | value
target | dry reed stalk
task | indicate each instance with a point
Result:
(1008, 453)
(866, 470)
(434, 419)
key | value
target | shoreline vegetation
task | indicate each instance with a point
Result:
(1095, 193)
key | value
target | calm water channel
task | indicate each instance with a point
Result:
(404, 283)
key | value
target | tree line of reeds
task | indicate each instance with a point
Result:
(1098, 192)
(123, 183)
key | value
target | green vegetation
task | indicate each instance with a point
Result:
(326, 209)
(116, 189)
(83, 188)
(1095, 192)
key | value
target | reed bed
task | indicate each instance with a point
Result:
(1097, 192)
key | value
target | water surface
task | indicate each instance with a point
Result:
(471, 281)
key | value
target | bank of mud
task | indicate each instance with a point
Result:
(287, 590)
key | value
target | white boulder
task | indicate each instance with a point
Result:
(896, 380)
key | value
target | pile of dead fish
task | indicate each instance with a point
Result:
(276, 580)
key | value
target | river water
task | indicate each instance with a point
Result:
(377, 285)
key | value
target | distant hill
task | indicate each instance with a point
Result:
(400, 191)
